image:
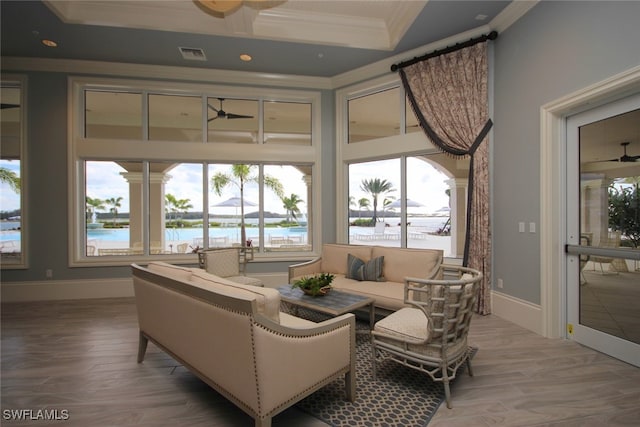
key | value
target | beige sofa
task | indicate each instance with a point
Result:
(388, 290)
(235, 338)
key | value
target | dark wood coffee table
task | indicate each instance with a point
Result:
(335, 303)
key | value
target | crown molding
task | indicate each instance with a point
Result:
(510, 14)
(74, 66)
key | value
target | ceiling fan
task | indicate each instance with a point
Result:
(221, 114)
(625, 157)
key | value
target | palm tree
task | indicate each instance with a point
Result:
(363, 203)
(376, 187)
(114, 202)
(352, 202)
(176, 206)
(94, 205)
(291, 206)
(241, 174)
(10, 178)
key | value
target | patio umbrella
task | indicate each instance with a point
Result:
(410, 204)
(234, 202)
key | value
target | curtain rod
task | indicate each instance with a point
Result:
(491, 36)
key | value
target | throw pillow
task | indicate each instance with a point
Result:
(354, 264)
(359, 270)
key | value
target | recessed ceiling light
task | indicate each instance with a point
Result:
(246, 57)
(49, 43)
(481, 17)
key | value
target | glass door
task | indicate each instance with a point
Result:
(603, 229)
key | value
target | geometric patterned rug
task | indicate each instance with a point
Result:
(401, 396)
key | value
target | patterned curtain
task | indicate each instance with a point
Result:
(448, 94)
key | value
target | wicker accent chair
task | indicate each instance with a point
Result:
(431, 335)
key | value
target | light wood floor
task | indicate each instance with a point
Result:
(80, 356)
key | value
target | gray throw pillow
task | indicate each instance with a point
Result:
(371, 270)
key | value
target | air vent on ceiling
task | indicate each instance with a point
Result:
(192, 53)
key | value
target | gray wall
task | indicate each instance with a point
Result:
(47, 196)
(555, 49)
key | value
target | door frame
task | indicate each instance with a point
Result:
(553, 139)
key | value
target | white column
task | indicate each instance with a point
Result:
(458, 188)
(156, 206)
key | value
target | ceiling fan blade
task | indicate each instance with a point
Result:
(238, 116)
(3, 106)
(212, 118)
(212, 107)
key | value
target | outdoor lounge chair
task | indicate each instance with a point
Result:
(431, 335)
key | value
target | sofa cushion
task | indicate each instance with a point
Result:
(222, 262)
(334, 256)
(246, 280)
(267, 299)
(387, 295)
(170, 270)
(400, 263)
(360, 270)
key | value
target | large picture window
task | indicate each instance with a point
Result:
(159, 189)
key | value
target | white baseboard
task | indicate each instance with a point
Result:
(53, 290)
(520, 312)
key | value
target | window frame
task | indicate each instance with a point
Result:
(23, 262)
(82, 149)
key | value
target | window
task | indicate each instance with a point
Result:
(287, 123)
(379, 215)
(374, 116)
(373, 188)
(116, 115)
(166, 184)
(232, 120)
(397, 188)
(175, 118)
(12, 184)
